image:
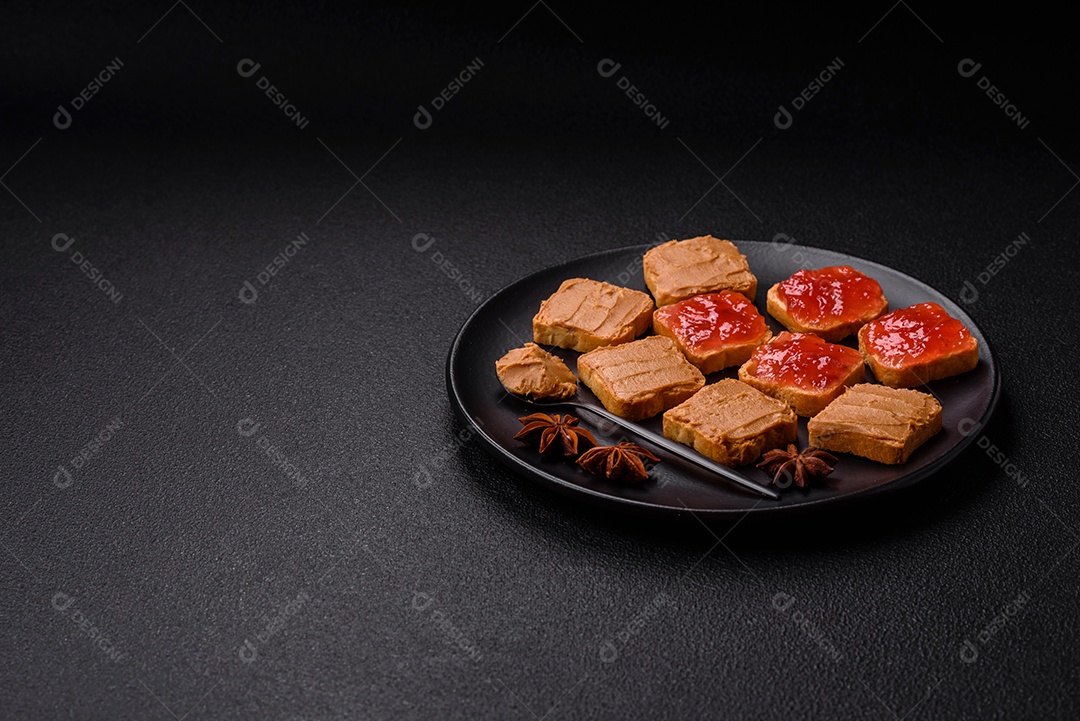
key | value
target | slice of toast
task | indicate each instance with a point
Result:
(876, 422)
(912, 346)
(731, 423)
(681, 269)
(713, 330)
(831, 302)
(803, 370)
(639, 379)
(585, 314)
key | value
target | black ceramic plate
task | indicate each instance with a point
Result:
(504, 321)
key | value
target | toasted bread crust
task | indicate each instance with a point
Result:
(832, 332)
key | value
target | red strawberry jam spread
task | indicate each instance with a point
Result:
(803, 360)
(713, 321)
(920, 334)
(831, 296)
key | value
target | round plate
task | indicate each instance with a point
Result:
(504, 321)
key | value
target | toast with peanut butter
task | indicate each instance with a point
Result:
(585, 314)
(639, 379)
(876, 422)
(731, 423)
(681, 269)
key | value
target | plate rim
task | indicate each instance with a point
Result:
(631, 505)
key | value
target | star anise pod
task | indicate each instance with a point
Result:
(621, 462)
(811, 464)
(550, 428)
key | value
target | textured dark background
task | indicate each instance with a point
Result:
(411, 576)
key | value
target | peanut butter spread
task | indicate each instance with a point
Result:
(730, 410)
(877, 412)
(636, 371)
(588, 313)
(681, 269)
(533, 372)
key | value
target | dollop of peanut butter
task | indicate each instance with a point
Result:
(533, 372)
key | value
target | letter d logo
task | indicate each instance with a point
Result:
(421, 242)
(608, 652)
(970, 293)
(423, 478)
(247, 67)
(967, 426)
(782, 119)
(967, 67)
(62, 478)
(61, 601)
(782, 601)
(968, 652)
(62, 119)
(247, 427)
(782, 241)
(248, 295)
(248, 652)
(422, 119)
(61, 242)
(607, 67)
